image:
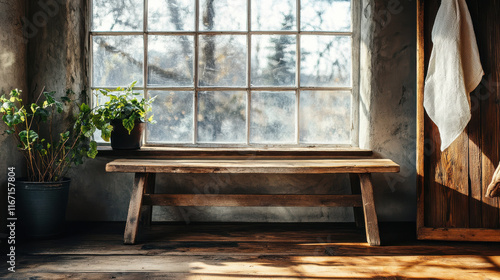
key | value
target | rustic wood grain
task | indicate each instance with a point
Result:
(371, 220)
(488, 35)
(454, 182)
(284, 166)
(420, 114)
(475, 134)
(460, 234)
(134, 209)
(147, 210)
(236, 200)
(431, 155)
(359, 218)
(251, 251)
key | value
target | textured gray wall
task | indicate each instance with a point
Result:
(388, 101)
(57, 54)
(12, 75)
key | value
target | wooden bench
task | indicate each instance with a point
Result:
(143, 196)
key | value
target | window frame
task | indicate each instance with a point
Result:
(355, 35)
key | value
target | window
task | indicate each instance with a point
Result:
(233, 72)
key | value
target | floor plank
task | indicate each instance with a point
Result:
(250, 251)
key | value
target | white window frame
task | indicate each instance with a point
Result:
(354, 89)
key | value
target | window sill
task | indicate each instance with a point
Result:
(188, 152)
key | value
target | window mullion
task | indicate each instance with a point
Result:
(195, 62)
(297, 77)
(145, 61)
(249, 67)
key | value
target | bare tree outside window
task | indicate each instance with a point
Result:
(232, 72)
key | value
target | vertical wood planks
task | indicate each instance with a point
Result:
(475, 134)
(487, 32)
(454, 182)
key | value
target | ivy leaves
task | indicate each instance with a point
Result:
(123, 104)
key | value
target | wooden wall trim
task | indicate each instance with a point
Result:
(459, 234)
(420, 113)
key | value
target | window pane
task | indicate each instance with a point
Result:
(274, 15)
(325, 61)
(117, 60)
(117, 15)
(170, 60)
(325, 15)
(272, 117)
(325, 117)
(223, 60)
(273, 60)
(223, 15)
(171, 15)
(221, 116)
(173, 112)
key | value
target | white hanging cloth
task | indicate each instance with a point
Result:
(454, 70)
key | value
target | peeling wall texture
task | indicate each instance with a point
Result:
(57, 60)
(12, 75)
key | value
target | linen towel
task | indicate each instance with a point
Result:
(454, 70)
(494, 187)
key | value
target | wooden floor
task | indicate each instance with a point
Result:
(250, 251)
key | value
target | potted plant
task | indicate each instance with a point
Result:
(41, 197)
(122, 117)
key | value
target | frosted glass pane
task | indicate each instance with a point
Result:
(325, 61)
(170, 60)
(171, 15)
(125, 15)
(272, 117)
(100, 99)
(325, 15)
(223, 60)
(274, 15)
(325, 117)
(221, 117)
(223, 15)
(273, 60)
(173, 112)
(117, 60)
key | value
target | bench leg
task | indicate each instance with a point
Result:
(147, 210)
(134, 209)
(358, 211)
(371, 221)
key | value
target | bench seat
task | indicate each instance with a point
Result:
(277, 166)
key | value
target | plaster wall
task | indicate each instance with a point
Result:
(12, 75)
(387, 125)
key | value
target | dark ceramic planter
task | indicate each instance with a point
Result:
(122, 140)
(41, 207)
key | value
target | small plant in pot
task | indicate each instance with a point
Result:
(122, 118)
(49, 151)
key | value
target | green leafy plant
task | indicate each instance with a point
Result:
(124, 105)
(49, 153)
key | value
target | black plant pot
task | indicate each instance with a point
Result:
(122, 140)
(41, 207)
